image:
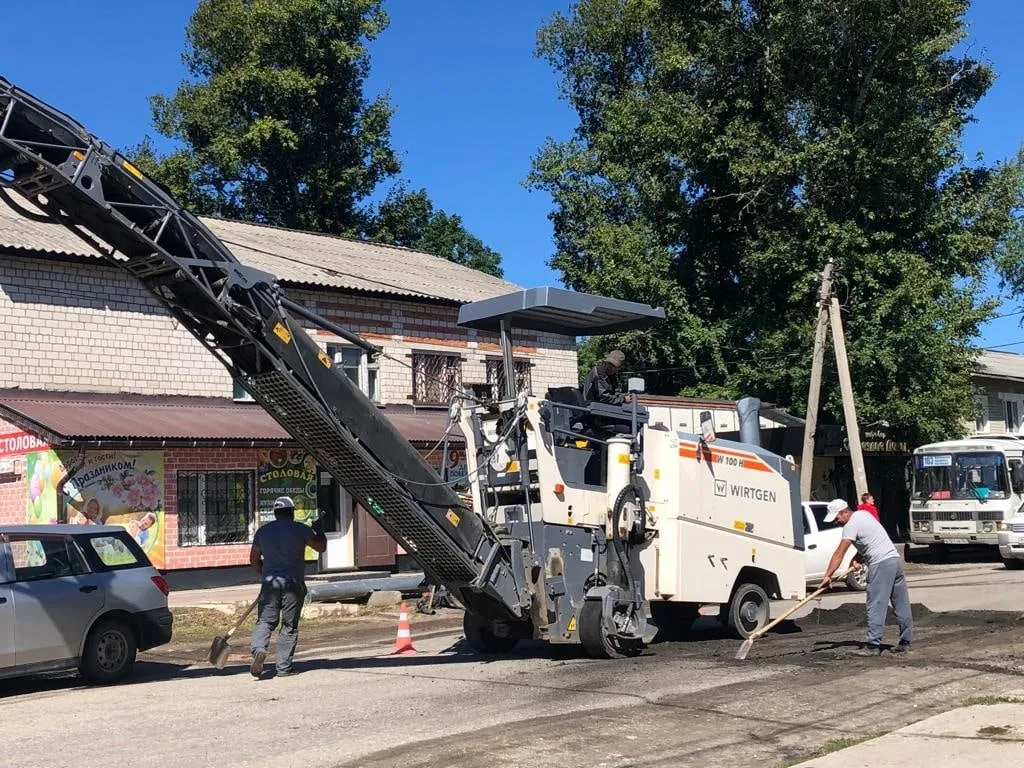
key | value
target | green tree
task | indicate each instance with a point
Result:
(273, 126)
(725, 150)
(409, 219)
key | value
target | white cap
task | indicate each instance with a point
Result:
(834, 508)
(285, 502)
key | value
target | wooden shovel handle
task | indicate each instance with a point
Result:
(799, 605)
(244, 617)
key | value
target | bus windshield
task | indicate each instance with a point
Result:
(960, 476)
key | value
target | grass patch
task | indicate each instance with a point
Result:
(829, 747)
(988, 701)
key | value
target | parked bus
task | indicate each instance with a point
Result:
(963, 492)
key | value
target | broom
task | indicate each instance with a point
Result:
(219, 648)
(749, 642)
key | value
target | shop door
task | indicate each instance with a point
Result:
(374, 547)
(336, 506)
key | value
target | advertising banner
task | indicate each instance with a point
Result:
(285, 472)
(124, 488)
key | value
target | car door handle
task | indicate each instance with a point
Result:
(88, 588)
(812, 546)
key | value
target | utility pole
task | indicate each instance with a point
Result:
(860, 477)
(814, 393)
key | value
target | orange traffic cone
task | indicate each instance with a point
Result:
(403, 643)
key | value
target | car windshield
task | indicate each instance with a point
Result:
(960, 476)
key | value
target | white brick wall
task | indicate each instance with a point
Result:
(88, 327)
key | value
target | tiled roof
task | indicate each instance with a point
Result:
(301, 258)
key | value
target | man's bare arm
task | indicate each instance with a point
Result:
(256, 558)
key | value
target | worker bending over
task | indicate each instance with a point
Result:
(279, 555)
(599, 386)
(886, 582)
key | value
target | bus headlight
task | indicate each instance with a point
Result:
(925, 527)
(988, 527)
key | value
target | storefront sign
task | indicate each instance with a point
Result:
(124, 488)
(284, 472)
(456, 466)
(19, 443)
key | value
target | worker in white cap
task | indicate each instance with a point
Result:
(886, 582)
(279, 555)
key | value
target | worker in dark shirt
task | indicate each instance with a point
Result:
(599, 386)
(279, 556)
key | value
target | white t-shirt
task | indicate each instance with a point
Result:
(869, 537)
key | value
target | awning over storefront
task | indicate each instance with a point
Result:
(82, 418)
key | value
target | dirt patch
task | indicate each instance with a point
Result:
(995, 730)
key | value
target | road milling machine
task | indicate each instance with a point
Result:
(574, 519)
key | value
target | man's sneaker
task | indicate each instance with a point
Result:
(290, 672)
(256, 668)
(868, 650)
(901, 648)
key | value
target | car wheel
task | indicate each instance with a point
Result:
(748, 610)
(109, 654)
(858, 580)
(1013, 563)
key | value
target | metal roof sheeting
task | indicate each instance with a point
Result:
(93, 416)
(302, 258)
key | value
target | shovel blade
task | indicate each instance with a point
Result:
(741, 654)
(219, 651)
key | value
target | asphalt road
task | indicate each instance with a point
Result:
(681, 703)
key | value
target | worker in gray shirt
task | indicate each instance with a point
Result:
(886, 582)
(279, 556)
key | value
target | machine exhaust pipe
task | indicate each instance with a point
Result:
(749, 410)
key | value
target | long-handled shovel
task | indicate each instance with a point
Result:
(219, 649)
(749, 642)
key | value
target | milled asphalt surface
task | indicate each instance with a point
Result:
(681, 703)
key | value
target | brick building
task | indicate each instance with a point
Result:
(104, 396)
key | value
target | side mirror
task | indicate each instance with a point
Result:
(707, 426)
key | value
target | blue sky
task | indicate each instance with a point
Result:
(473, 104)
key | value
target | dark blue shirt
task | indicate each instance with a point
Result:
(283, 543)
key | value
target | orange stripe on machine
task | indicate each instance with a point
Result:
(725, 456)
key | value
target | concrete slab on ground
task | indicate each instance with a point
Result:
(962, 738)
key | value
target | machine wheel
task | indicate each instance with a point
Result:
(748, 610)
(596, 641)
(481, 639)
(109, 653)
(1013, 563)
(673, 619)
(939, 553)
(858, 580)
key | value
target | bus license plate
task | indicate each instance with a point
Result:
(957, 541)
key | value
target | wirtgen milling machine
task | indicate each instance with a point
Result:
(579, 514)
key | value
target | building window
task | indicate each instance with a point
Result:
(980, 414)
(1013, 412)
(496, 377)
(239, 395)
(215, 508)
(435, 378)
(355, 364)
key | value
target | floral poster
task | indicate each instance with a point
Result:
(124, 488)
(284, 472)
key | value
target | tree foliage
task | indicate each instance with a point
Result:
(409, 219)
(273, 126)
(725, 149)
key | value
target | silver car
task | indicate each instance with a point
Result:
(77, 597)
